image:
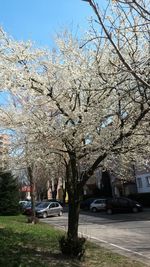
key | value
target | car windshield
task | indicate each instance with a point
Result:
(43, 205)
(28, 204)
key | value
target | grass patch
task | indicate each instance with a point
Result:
(28, 245)
(100, 257)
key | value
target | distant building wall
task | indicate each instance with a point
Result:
(143, 182)
(130, 188)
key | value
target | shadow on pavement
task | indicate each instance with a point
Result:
(119, 217)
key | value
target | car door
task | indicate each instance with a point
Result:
(115, 205)
(58, 208)
(124, 205)
(99, 204)
(52, 209)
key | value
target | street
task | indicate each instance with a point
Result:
(127, 234)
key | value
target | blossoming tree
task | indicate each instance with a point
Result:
(86, 103)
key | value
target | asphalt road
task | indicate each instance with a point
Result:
(127, 234)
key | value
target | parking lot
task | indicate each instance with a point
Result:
(128, 234)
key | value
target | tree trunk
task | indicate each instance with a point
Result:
(32, 186)
(74, 198)
(73, 217)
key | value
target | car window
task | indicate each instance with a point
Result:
(37, 203)
(99, 201)
(43, 205)
(113, 201)
(123, 201)
(56, 204)
(52, 205)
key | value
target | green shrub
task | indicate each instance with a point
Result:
(72, 248)
(9, 194)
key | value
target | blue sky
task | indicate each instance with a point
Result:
(40, 20)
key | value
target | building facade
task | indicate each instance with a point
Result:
(143, 181)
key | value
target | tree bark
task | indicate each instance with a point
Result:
(73, 218)
(74, 198)
(32, 186)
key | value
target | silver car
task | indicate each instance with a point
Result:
(46, 209)
(98, 204)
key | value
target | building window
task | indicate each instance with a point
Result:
(147, 180)
(139, 182)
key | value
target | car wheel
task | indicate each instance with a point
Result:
(109, 211)
(135, 209)
(60, 213)
(45, 215)
(94, 209)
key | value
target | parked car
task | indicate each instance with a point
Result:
(45, 209)
(98, 204)
(85, 204)
(28, 210)
(23, 203)
(115, 205)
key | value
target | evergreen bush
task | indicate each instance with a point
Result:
(9, 194)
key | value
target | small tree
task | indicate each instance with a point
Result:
(9, 194)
